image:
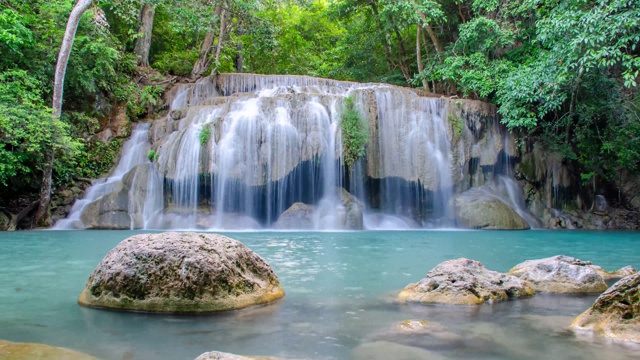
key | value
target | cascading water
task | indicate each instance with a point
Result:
(134, 152)
(238, 151)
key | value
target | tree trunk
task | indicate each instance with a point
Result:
(143, 43)
(204, 60)
(65, 50)
(221, 34)
(238, 59)
(43, 218)
(432, 34)
(15, 219)
(385, 43)
(404, 64)
(419, 59)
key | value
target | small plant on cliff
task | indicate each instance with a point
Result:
(354, 133)
(457, 125)
(152, 155)
(205, 135)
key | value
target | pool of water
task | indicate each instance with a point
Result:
(338, 305)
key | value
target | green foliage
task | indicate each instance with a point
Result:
(28, 130)
(140, 101)
(152, 155)
(205, 135)
(457, 125)
(354, 133)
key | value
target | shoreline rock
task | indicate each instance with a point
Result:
(179, 273)
(464, 282)
(561, 274)
(616, 313)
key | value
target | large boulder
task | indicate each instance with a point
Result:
(353, 217)
(110, 212)
(560, 274)
(616, 313)
(464, 282)
(477, 210)
(298, 216)
(180, 272)
(32, 351)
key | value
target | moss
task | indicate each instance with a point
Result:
(354, 133)
(205, 135)
(457, 125)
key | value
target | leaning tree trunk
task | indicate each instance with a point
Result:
(204, 59)
(221, 34)
(419, 59)
(238, 59)
(143, 43)
(43, 217)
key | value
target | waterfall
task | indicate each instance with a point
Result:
(134, 152)
(238, 151)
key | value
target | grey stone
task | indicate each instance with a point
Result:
(464, 282)
(560, 274)
(180, 272)
(476, 210)
(298, 216)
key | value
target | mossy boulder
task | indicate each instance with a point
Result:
(616, 313)
(180, 272)
(464, 282)
(561, 274)
(32, 351)
(476, 210)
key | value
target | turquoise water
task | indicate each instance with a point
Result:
(339, 302)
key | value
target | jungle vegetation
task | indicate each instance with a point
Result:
(565, 72)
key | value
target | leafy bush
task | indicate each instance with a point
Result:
(354, 133)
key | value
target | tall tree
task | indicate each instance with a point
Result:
(43, 217)
(204, 59)
(143, 43)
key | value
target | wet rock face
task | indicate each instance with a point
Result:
(561, 274)
(464, 282)
(180, 272)
(616, 313)
(297, 216)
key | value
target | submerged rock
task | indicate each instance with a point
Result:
(616, 313)
(32, 351)
(464, 282)
(298, 216)
(180, 272)
(476, 210)
(217, 355)
(561, 274)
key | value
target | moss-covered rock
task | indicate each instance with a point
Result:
(616, 313)
(476, 210)
(180, 272)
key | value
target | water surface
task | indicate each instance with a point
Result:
(339, 303)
